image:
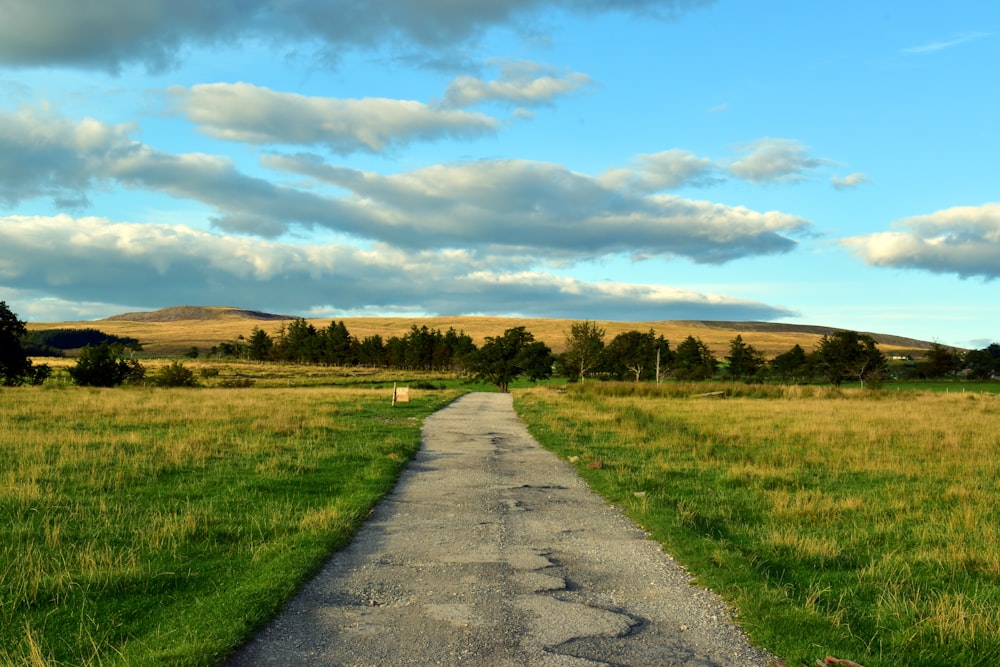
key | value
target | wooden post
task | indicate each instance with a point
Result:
(400, 395)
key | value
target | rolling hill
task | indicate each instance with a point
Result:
(173, 331)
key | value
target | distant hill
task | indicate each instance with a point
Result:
(179, 313)
(778, 327)
(173, 331)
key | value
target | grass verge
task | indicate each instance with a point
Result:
(150, 526)
(838, 522)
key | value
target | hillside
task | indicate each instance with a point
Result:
(189, 313)
(173, 331)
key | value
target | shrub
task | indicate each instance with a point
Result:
(104, 366)
(175, 375)
(236, 383)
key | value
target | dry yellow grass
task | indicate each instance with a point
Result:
(215, 325)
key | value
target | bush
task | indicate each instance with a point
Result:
(175, 375)
(236, 383)
(104, 366)
(423, 384)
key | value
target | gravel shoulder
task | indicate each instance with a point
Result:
(492, 551)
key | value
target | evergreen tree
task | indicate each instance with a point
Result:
(338, 346)
(371, 352)
(260, 346)
(744, 360)
(791, 365)
(693, 360)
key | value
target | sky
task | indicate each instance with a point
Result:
(831, 164)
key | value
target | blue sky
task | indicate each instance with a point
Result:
(812, 163)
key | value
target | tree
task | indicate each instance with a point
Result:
(371, 351)
(985, 363)
(633, 353)
(260, 346)
(338, 346)
(584, 344)
(420, 344)
(848, 355)
(535, 361)
(104, 366)
(298, 342)
(940, 361)
(791, 365)
(501, 359)
(15, 366)
(693, 360)
(455, 348)
(744, 360)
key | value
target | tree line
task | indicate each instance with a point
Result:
(838, 357)
(300, 342)
(842, 356)
(55, 342)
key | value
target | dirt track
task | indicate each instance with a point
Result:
(491, 551)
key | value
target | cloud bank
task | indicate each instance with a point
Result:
(111, 34)
(516, 207)
(162, 265)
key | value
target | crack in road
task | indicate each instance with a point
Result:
(491, 551)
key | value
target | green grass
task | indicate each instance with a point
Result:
(151, 526)
(857, 524)
(947, 386)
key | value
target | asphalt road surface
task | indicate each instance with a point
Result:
(491, 551)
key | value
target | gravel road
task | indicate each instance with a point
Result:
(491, 551)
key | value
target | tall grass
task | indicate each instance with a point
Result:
(858, 524)
(151, 526)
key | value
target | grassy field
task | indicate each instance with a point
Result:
(848, 523)
(150, 526)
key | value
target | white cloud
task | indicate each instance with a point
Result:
(95, 261)
(849, 181)
(252, 114)
(45, 155)
(964, 240)
(666, 170)
(548, 210)
(520, 83)
(944, 44)
(772, 160)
